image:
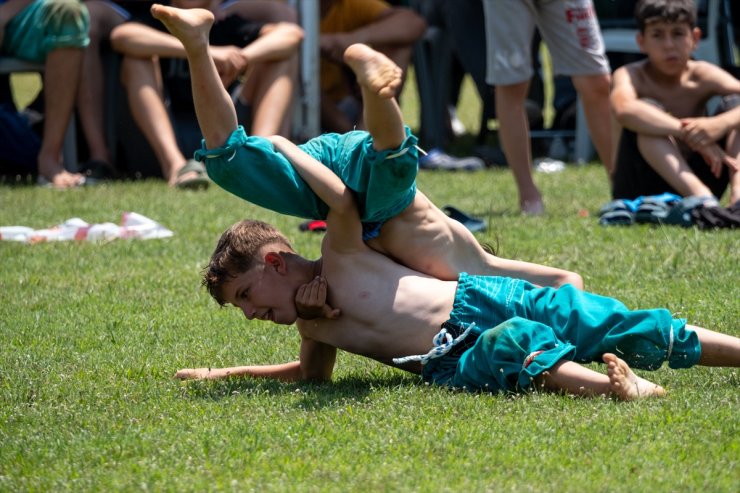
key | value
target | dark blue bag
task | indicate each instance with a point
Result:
(19, 144)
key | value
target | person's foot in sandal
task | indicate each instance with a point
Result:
(191, 176)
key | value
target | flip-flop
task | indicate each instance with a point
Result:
(197, 182)
(472, 223)
(617, 213)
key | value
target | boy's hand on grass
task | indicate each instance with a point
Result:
(310, 301)
(195, 374)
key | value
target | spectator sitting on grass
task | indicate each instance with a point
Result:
(668, 144)
(499, 334)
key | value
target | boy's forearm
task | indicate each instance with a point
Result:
(400, 26)
(645, 118)
(288, 372)
(277, 42)
(325, 184)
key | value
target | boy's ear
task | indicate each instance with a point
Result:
(640, 38)
(275, 261)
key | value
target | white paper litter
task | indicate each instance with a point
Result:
(133, 226)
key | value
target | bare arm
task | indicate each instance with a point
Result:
(316, 363)
(276, 42)
(261, 10)
(344, 230)
(394, 26)
(636, 115)
(703, 131)
(321, 179)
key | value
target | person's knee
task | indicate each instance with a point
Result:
(593, 87)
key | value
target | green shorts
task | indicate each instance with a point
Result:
(45, 26)
(384, 182)
(522, 330)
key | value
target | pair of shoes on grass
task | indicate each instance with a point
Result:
(666, 208)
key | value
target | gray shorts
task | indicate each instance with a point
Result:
(570, 30)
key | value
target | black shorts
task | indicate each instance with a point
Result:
(634, 177)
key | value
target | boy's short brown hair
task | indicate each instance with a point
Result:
(649, 11)
(237, 252)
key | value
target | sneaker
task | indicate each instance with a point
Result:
(438, 159)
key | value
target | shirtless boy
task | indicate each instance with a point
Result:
(668, 144)
(380, 166)
(495, 333)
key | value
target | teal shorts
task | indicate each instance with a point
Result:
(384, 182)
(522, 330)
(45, 26)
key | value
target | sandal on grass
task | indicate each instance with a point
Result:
(198, 181)
(617, 213)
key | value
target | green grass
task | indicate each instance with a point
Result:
(91, 334)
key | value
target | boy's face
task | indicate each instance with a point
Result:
(668, 45)
(264, 293)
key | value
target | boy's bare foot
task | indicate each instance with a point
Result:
(373, 70)
(190, 26)
(627, 386)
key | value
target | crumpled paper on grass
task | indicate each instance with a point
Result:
(133, 226)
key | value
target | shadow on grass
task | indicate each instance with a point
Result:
(313, 395)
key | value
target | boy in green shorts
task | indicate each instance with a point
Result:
(380, 168)
(498, 334)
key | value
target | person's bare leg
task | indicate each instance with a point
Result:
(732, 148)
(664, 157)
(144, 90)
(514, 135)
(61, 76)
(594, 93)
(379, 78)
(270, 88)
(90, 105)
(425, 239)
(213, 105)
(717, 349)
(620, 382)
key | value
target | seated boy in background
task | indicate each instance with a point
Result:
(499, 334)
(668, 144)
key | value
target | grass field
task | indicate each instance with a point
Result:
(91, 334)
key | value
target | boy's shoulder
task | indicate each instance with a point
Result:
(697, 74)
